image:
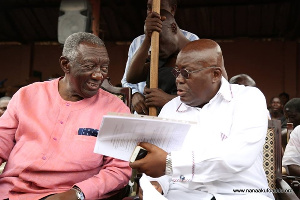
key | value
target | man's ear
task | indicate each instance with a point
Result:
(217, 74)
(173, 9)
(174, 27)
(64, 64)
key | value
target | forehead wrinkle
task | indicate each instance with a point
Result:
(93, 53)
(198, 58)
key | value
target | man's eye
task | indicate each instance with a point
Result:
(104, 69)
(91, 66)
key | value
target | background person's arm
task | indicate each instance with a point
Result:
(294, 170)
(139, 69)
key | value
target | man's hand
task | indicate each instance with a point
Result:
(153, 22)
(138, 103)
(154, 164)
(294, 170)
(68, 195)
(155, 184)
(156, 97)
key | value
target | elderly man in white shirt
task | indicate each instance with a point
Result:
(291, 157)
(222, 155)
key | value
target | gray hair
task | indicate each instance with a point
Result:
(5, 98)
(73, 41)
(293, 104)
(242, 79)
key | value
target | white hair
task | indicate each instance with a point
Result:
(5, 98)
(73, 41)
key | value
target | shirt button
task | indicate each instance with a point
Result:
(182, 178)
(44, 157)
(55, 138)
(67, 104)
(61, 122)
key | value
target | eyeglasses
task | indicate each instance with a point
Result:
(90, 66)
(186, 73)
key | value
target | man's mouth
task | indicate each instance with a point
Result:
(180, 92)
(93, 86)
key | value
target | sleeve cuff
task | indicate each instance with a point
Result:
(164, 182)
(133, 90)
(183, 165)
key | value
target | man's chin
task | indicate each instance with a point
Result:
(89, 94)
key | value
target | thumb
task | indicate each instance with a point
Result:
(146, 146)
(135, 164)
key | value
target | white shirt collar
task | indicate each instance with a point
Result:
(224, 93)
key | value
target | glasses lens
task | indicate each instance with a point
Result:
(184, 73)
(175, 72)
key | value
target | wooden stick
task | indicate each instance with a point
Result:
(154, 57)
(96, 16)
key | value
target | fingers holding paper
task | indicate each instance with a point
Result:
(154, 163)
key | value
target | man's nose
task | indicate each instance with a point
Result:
(97, 74)
(180, 79)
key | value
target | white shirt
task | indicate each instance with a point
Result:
(292, 151)
(134, 46)
(224, 151)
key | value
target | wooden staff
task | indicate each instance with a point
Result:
(154, 57)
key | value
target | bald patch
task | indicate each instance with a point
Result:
(205, 57)
(207, 52)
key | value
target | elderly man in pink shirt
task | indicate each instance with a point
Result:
(47, 133)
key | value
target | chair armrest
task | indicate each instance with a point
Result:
(285, 188)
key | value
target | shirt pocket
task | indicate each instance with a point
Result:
(80, 152)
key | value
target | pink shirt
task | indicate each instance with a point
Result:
(45, 155)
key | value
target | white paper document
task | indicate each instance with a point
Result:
(119, 134)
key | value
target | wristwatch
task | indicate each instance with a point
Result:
(169, 170)
(79, 193)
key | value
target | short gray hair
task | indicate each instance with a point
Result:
(73, 41)
(5, 98)
(242, 79)
(293, 104)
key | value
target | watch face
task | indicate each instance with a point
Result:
(81, 196)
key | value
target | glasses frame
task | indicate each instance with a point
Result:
(176, 72)
(92, 68)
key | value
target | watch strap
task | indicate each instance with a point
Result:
(169, 170)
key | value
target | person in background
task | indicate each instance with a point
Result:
(284, 98)
(276, 111)
(291, 157)
(242, 79)
(3, 104)
(48, 132)
(223, 151)
(171, 40)
(138, 99)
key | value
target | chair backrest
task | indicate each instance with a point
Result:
(124, 93)
(272, 153)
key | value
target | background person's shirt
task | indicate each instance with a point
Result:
(41, 137)
(134, 46)
(292, 151)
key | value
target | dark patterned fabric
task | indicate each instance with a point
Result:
(269, 158)
(88, 132)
